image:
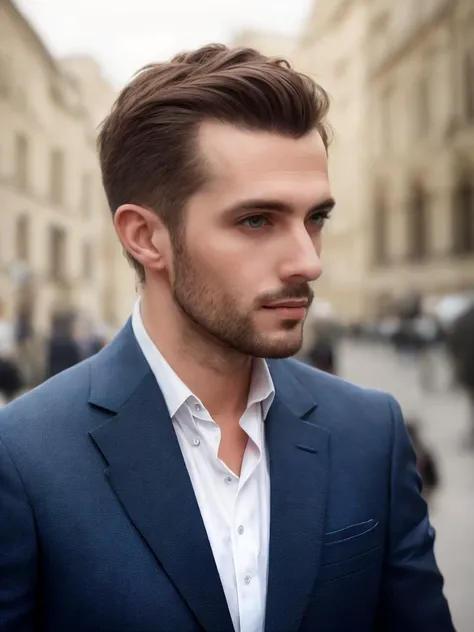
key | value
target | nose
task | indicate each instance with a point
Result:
(302, 262)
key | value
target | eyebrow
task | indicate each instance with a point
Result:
(277, 206)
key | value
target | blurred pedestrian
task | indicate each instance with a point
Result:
(63, 349)
(89, 337)
(427, 333)
(11, 381)
(426, 462)
(460, 341)
(7, 333)
(322, 352)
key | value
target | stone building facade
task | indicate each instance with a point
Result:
(54, 226)
(331, 50)
(421, 165)
(120, 286)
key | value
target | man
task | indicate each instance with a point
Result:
(176, 481)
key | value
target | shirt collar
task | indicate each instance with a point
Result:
(175, 391)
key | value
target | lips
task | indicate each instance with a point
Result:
(293, 304)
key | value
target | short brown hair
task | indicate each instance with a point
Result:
(146, 147)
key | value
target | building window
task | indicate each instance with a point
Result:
(57, 249)
(86, 194)
(422, 107)
(418, 225)
(387, 119)
(87, 262)
(463, 219)
(380, 231)
(23, 239)
(468, 85)
(4, 77)
(21, 159)
(56, 188)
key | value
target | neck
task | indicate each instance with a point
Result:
(208, 368)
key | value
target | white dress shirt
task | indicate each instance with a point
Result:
(235, 510)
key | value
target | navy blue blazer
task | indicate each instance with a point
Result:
(100, 530)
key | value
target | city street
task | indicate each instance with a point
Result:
(444, 420)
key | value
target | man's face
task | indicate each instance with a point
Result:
(251, 241)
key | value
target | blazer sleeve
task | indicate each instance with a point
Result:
(412, 596)
(18, 563)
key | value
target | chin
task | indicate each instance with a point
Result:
(281, 354)
(279, 347)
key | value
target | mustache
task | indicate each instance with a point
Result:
(299, 291)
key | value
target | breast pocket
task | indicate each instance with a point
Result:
(352, 549)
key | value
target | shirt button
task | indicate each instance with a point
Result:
(198, 407)
(247, 579)
(240, 529)
(196, 441)
(228, 480)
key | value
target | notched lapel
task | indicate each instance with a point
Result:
(148, 474)
(299, 470)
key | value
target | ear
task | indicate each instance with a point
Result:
(142, 234)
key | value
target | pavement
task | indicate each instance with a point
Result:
(444, 419)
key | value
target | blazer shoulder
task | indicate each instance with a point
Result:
(56, 400)
(345, 401)
(316, 381)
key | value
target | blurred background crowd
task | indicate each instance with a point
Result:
(395, 305)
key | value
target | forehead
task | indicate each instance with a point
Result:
(256, 162)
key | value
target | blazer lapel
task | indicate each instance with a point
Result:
(299, 468)
(147, 472)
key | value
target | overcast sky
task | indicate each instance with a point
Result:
(123, 35)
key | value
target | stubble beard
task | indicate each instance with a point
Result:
(213, 318)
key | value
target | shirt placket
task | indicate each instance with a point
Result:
(246, 543)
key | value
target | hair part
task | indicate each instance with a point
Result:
(147, 144)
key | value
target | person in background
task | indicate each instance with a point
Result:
(63, 351)
(7, 334)
(460, 343)
(30, 347)
(426, 462)
(322, 352)
(11, 381)
(89, 337)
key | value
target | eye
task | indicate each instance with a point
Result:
(254, 221)
(320, 218)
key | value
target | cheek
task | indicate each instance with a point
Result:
(240, 267)
(318, 243)
(235, 277)
(210, 265)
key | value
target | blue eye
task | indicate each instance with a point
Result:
(254, 221)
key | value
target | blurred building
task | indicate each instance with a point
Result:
(272, 44)
(401, 78)
(332, 51)
(54, 238)
(98, 95)
(421, 169)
